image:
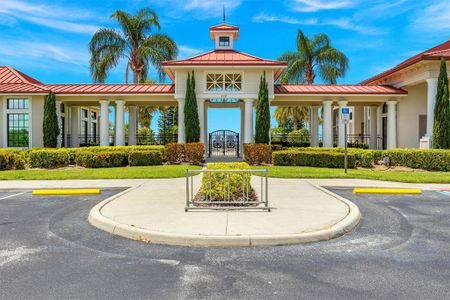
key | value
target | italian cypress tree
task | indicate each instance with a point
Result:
(263, 113)
(441, 125)
(50, 126)
(191, 121)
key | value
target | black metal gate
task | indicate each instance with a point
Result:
(223, 143)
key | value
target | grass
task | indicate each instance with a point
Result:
(399, 176)
(167, 171)
(176, 171)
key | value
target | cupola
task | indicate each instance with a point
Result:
(224, 35)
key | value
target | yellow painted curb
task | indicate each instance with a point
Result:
(66, 192)
(386, 191)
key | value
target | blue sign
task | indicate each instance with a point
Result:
(345, 115)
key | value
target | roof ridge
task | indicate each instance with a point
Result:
(188, 58)
(24, 77)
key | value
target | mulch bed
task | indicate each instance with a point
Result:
(216, 202)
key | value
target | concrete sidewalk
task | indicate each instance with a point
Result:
(154, 212)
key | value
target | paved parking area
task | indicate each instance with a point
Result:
(401, 250)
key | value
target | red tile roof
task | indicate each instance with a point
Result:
(224, 58)
(329, 89)
(13, 81)
(435, 53)
(112, 88)
(223, 27)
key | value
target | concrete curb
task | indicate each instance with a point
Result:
(347, 224)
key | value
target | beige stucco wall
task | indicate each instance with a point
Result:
(37, 118)
(1, 122)
(250, 82)
(409, 109)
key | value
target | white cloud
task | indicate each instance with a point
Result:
(343, 23)
(186, 51)
(436, 16)
(317, 5)
(46, 51)
(199, 9)
(48, 16)
(262, 17)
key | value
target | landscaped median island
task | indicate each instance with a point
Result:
(227, 186)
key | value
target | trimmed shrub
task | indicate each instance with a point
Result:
(144, 158)
(432, 160)
(49, 158)
(173, 153)
(326, 159)
(107, 159)
(256, 154)
(194, 153)
(11, 160)
(217, 184)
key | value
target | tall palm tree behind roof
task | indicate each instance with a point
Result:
(135, 42)
(313, 58)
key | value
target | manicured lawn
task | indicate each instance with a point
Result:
(170, 171)
(310, 172)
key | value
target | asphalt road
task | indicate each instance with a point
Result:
(401, 250)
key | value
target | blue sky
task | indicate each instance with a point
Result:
(48, 39)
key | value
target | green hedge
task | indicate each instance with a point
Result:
(49, 158)
(107, 159)
(217, 184)
(325, 159)
(145, 158)
(432, 160)
(11, 160)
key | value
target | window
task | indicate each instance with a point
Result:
(93, 115)
(18, 130)
(223, 82)
(224, 41)
(233, 82)
(84, 113)
(63, 108)
(17, 104)
(84, 132)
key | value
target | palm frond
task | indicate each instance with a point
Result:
(156, 49)
(106, 48)
(332, 64)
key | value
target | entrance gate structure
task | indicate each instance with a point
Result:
(223, 143)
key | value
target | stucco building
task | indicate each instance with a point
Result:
(392, 109)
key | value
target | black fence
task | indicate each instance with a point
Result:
(301, 140)
(94, 140)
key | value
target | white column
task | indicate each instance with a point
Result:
(391, 124)
(132, 125)
(58, 116)
(242, 133)
(120, 123)
(201, 118)
(373, 142)
(431, 99)
(104, 123)
(75, 120)
(206, 126)
(181, 133)
(248, 138)
(341, 125)
(327, 125)
(314, 126)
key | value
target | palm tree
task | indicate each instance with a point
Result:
(314, 57)
(133, 42)
(298, 114)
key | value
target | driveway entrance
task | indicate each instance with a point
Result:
(223, 143)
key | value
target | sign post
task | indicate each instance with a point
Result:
(345, 119)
